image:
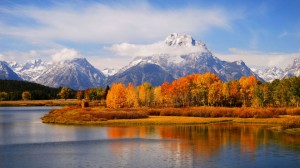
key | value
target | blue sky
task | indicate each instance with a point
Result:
(260, 32)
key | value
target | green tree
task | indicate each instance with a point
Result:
(295, 90)
(26, 95)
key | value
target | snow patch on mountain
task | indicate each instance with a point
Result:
(196, 58)
(268, 73)
(7, 73)
(77, 74)
(31, 70)
(175, 44)
(271, 73)
(109, 71)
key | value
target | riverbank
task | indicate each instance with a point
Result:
(146, 116)
(55, 102)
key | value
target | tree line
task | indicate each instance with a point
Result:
(17, 90)
(208, 90)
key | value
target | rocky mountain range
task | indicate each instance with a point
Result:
(7, 73)
(155, 68)
(200, 60)
(271, 73)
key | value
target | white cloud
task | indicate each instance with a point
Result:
(259, 58)
(57, 54)
(65, 54)
(97, 22)
(133, 50)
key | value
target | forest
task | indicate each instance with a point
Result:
(207, 90)
(17, 90)
(190, 91)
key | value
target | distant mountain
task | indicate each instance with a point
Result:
(77, 74)
(7, 73)
(293, 69)
(31, 70)
(198, 59)
(271, 73)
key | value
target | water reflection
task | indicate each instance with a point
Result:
(204, 143)
(26, 142)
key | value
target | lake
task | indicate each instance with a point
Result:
(26, 142)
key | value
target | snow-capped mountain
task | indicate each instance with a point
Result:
(197, 59)
(109, 71)
(31, 70)
(269, 74)
(77, 74)
(293, 69)
(7, 73)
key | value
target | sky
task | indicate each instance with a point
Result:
(259, 32)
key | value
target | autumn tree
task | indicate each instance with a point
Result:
(131, 96)
(3, 96)
(234, 93)
(165, 93)
(79, 95)
(215, 93)
(26, 95)
(247, 89)
(145, 94)
(181, 92)
(158, 99)
(65, 93)
(116, 97)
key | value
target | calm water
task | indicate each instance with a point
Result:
(26, 142)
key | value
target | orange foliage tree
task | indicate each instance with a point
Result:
(116, 97)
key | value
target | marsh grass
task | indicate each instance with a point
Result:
(144, 116)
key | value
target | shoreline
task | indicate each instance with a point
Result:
(53, 102)
(100, 116)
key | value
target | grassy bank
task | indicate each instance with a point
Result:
(279, 118)
(55, 102)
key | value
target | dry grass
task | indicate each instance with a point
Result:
(75, 115)
(166, 116)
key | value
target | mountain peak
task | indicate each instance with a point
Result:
(176, 39)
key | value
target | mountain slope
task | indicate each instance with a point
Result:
(76, 74)
(141, 73)
(197, 59)
(7, 73)
(30, 70)
(271, 73)
(293, 69)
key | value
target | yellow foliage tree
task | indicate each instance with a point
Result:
(247, 89)
(131, 96)
(116, 97)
